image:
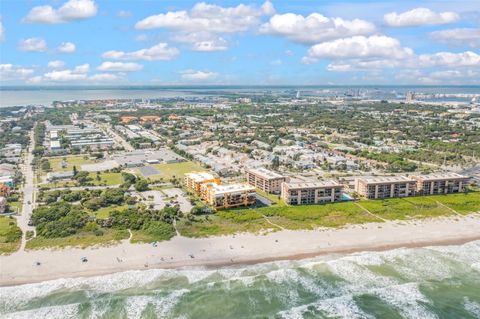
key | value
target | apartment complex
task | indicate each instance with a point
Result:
(266, 180)
(378, 187)
(227, 196)
(440, 183)
(311, 192)
(194, 181)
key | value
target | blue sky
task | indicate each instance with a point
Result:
(232, 42)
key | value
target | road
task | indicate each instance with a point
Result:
(29, 193)
(120, 140)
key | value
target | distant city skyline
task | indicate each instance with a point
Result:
(87, 42)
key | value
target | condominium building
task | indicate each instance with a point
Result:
(311, 192)
(227, 196)
(385, 186)
(194, 180)
(266, 180)
(440, 183)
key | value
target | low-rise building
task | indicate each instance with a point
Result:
(194, 181)
(266, 180)
(440, 183)
(52, 176)
(374, 187)
(311, 192)
(227, 196)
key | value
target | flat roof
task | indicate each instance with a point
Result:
(320, 184)
(54, 144)
(440, 176)
(265, 173)
(385, 179)
(232, 188)
(200, 176)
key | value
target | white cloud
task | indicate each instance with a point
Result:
(2, 30)
(32, 45)
(201, 25)
(70, 11)
(195, 76)
(78, 73)
(10, 72)
(276, 62)
(124, 14)
(66, 47)
(203, 41)
(458, 37)
(208, 18)
(56, 64)
(448, 59)
(141, 38)
(160, 51)
(359, 47)
(419, 17)
(315, 28)
(35, 80)
(120, 66)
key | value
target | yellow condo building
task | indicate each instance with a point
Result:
(227, 196)
(194, 181)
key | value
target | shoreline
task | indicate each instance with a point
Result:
(235, 250)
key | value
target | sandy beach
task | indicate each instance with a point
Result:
(20, 267)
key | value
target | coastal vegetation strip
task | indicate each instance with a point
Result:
(10, 235)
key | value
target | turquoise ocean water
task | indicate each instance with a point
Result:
(433, 282)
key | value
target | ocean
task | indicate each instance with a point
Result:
(431, 282)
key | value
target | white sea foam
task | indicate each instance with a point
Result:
(472, 307)
(338, 307)
(52, 312)
(406, 299)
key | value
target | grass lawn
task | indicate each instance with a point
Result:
(104, 212)
(274, 198)
(167, 171)
(80, 240)
(107, 179)
(73, 160)
(15, 206)
(406, 208)
(461, 203)
(10, 235)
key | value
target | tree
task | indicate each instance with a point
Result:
(141, 185)
(75, 171)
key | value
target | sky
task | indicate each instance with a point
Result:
(97, 42)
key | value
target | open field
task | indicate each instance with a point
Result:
(177, 170)
(72, 160)
(10, 235)
(15, 206)
(104, 212)
(461, 203)
(80, 240)
(106, 179)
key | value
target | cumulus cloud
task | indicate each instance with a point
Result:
(359, 47)
(160, 51)
(32, 45)
(315, 27)
(449, 59)
(195, 76)
(458, 37)
(419, 17)
(66, 47)
(56, 64)
(203, 41)
(78, 73)
(10, 72)
(119, 66)
(70, 11)
(211, 20)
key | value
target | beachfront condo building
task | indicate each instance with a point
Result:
(227, 196)
(266, 180)
(378, 187)
(311, 192)
(440, 183)
(194, 180)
